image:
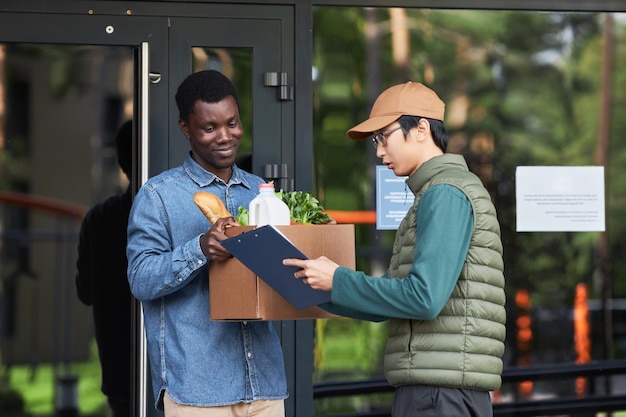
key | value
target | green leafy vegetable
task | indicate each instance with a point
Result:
(243, 216)
(303, 207)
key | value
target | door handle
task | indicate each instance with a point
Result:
(154, 77)
(143, 150)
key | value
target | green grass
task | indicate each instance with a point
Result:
(37, 386)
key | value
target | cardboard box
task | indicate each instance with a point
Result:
(237, 294)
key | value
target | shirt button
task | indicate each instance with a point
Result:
(199, 261)
(249, 355)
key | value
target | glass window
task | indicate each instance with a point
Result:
(521, 88)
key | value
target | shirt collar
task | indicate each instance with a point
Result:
(203, 178)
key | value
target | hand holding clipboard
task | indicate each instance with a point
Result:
(262, 250)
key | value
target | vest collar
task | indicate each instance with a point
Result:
(433, 167)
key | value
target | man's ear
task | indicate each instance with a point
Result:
(184, 128)
(423, 126)
(421, 130)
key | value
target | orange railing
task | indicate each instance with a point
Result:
(54, 206)
(352, 217)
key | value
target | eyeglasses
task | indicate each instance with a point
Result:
(381, 138)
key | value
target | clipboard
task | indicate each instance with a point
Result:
(262, 250)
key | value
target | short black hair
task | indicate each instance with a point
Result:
(209, 86)
(440, 135)
(124, 147)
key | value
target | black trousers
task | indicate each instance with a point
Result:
(430, 401)
(120, 407)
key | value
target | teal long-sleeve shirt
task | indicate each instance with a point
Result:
(445, 223)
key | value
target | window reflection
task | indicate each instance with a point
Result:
(521, 88)
(60, 107)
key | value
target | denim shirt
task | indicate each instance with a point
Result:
(198, 361)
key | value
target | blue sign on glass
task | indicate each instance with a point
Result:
(393, 199)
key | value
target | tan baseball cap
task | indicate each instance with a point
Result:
(408, 99)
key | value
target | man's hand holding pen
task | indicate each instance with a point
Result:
(318, 273)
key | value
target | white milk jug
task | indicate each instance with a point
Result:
(267, 208)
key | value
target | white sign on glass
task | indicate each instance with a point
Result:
(393, 199)
(560, 198)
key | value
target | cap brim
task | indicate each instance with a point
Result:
(371, 125)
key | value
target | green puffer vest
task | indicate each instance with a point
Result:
(463, 346)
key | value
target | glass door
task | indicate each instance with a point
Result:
(262, 69)
(63, 95)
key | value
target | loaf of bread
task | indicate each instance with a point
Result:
(211, 205)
